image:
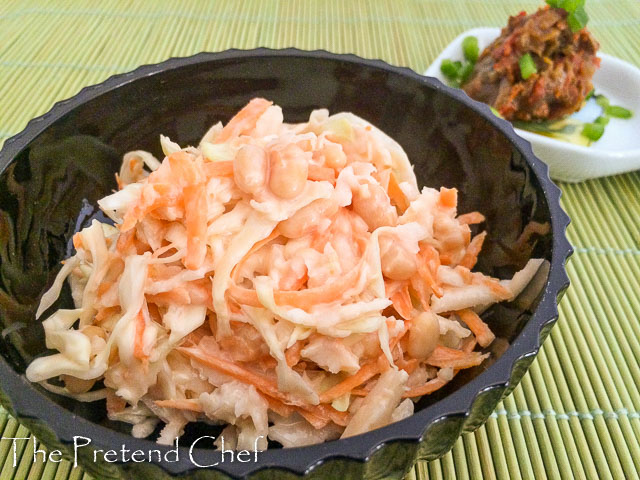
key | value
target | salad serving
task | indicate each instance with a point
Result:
(288, 281)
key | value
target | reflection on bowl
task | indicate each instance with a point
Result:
(56, 169)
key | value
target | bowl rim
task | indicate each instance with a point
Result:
(26, 400)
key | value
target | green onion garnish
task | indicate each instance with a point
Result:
(527, 66)
(577, 18)
(450, 69)
(470, 49)
(617, 111)
(593, 131)
(602, 101)
(602, 120)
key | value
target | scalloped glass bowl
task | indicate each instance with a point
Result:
(54, 171)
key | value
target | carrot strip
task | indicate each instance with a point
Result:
(367, 371)
(262, 384)
(429, 387)
(280, 408)
(77, 241)
(471, 218)
(316, 421)
(218, 169)
(396, 195)
(138, 349)
(360, 392)
(473, 250)
(402, 302)
(304, 299)
(244, 120)
(408, 365)
(195, 219)
(448, 197)
(481, 330)
(444, 357)
(428, 263)
(293, 353)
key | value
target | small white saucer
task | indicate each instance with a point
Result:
(618, 150)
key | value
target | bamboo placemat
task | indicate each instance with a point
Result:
(576, 414)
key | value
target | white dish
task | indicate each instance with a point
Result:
(618, 150)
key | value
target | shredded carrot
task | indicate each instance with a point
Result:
(396, 195)
(473, 250)
(360, 392)
(218, 169)
(303, 299)
(262, 384)
(408, 365)
(471, 218)
(293, 353)
(445, 357)
(402, 301)
(428, 263)
(367, 371)
(195, 207)
(481, 330)
(77, 241)
(125, 241)
(448, 197)
(138, 349)
(429, 387)
(244, 120)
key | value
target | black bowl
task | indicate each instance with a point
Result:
(54, 171)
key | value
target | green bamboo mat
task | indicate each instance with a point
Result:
(576, 414)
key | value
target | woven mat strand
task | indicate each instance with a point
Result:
(576, 414)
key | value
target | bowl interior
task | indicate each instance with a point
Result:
(48, 190)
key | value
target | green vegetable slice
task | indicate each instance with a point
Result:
(470, 48)
(450, 69)
(617, 111)
(593, 131)
(527, 66)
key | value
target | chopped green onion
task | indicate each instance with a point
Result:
(617, 111)
(602, 120)
(470, 49)
(578, 19)
(465, 72)
(590, 94)
(593, 131)
(527, 66)
(450, 69)
(602, 101)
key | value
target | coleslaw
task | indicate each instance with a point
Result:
(288, 281)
